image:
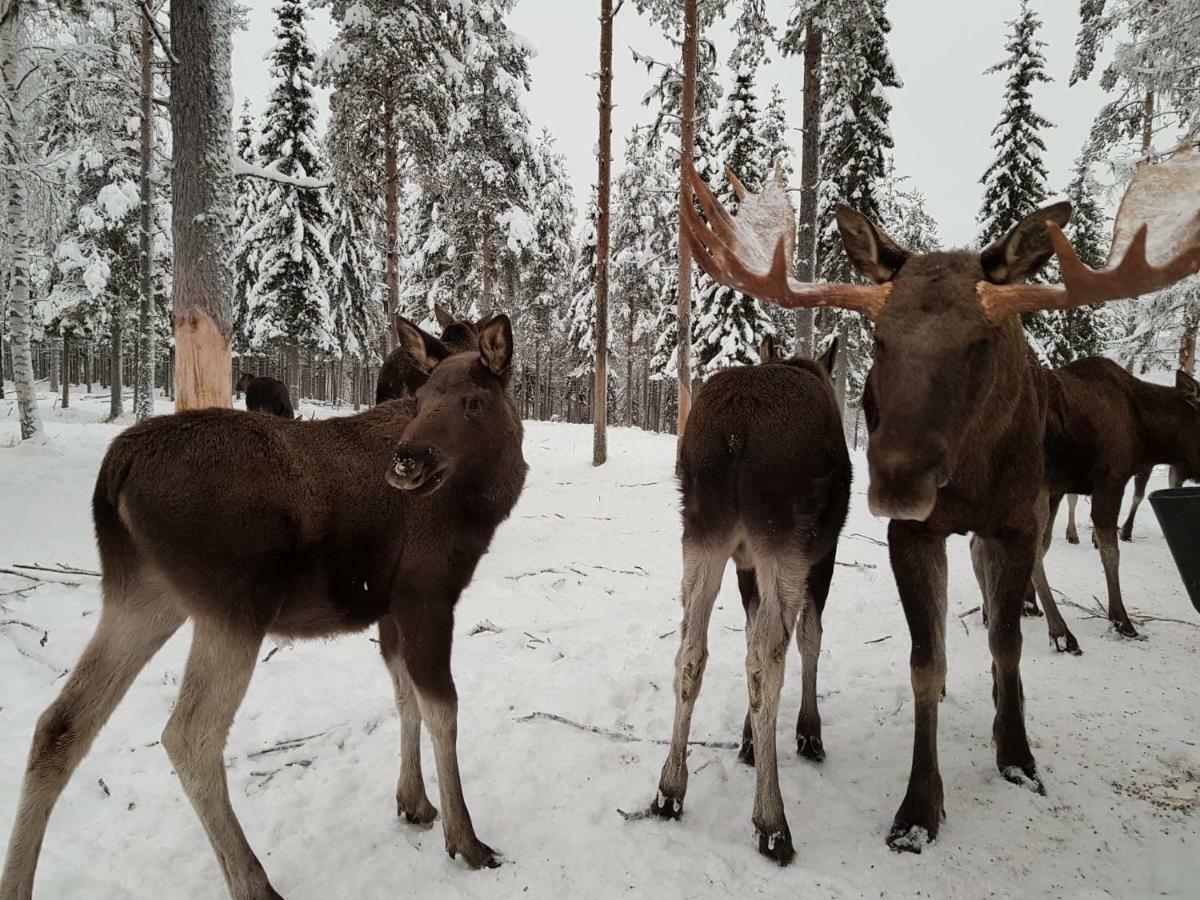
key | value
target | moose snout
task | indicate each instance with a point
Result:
(905, 480)
(418, 469)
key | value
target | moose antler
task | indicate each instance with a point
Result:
(752, 251)
(1156, 242)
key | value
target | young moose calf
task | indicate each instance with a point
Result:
(403, 372)
(266, 395)
(300, 538)
(765, 478)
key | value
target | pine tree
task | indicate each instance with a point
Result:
(289, 303)
(903, 214)
(246, 215)
(778, 148)
(1015, 182)
(355, 302)
(580, 316)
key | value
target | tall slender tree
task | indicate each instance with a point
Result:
(603, 218)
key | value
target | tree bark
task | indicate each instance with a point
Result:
(116, 379)
(144, 379)
(66, 370)
(55, 362)
(687, 141)
(604, 189)
(810, 172)
(11, 107)
(1187, 347)
(391, 204)
(201, 195)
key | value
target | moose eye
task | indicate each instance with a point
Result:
(473, 404)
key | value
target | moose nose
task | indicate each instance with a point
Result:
(414, 468)
(905, 479)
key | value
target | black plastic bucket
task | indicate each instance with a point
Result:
(1178, 511)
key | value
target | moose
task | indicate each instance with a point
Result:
(403, 373)
(313, 529)
(956, 408)
(1105, 427)
(266, 395)
(765, 478)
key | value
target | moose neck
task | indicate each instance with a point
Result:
(1168, 423)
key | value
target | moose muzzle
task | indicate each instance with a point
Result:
(418, 469)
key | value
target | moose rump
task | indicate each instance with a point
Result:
(765, 479)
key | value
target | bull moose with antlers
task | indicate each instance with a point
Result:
(956, 410)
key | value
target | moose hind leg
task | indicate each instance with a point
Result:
(411, 800)
(782, 592)
(808, 639)
(1072, 531)
(218, 672)
(748, 586)
(919, 565)
(132, 628)
(1106, 504)
(703, 566)
(1140, 480)
(1010, 561)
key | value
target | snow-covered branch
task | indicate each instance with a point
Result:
(241, 167)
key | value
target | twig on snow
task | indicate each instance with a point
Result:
(620, 735)
(856, 565)
(45, 634)
(487, 626)
(971, 611)
(59, 568)
(868, 539)
(886, 637)
(290, 744)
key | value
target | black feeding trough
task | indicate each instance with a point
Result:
(1178, 511)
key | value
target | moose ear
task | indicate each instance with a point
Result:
(426, 350)
(1024, 250)
(766, 350)
(496, 345)
(1189, 385)
(827, 359)
(872, 252)
(444, 318)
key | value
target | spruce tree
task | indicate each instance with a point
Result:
(580, 316)
(1015, 182)
(356, 306)
(289, 303)
(246, 214)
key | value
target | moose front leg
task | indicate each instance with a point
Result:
(919, 565)
(426, 632)
(1060, 634)
(1072, 531)
(411, 800)
(1140, 480)
(1009, 562)
(1106, 506)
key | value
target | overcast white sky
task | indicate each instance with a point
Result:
(941, 120)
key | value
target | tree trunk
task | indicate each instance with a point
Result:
(1187, 347)
(116, 378)
(293, 374)
(810, 171)
(687, 141)
(391, 204)
(201, 196)
(55, 362)
(11, 107)
(144, 379)
(66, 370)
(603, 184)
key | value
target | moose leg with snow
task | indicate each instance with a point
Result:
(296, 534)
(956, 406)
(765, 478)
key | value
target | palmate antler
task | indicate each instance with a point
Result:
(1156, 242)
(752, 251)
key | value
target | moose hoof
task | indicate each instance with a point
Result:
(667, 807)
(1066, 644)
(1024, 776)
(810, 747)
(476, 854)
(1072, 537)
(1031, 610)
(1125, 628)
(1127, 537)
(905, 838)
(420, 813)
(776, 845)
(746, 753)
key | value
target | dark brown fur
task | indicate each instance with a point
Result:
(296, 532)
(402, 376)
(765, 478)
(266, 395)
(1105, 427)
(956, 409)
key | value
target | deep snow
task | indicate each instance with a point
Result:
(582, 587)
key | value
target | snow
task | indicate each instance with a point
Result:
(582, 587)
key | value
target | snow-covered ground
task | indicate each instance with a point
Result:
(582, 589)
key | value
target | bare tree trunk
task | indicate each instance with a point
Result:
(201, 194)
(687, 142)
(144, 379)
(1187, 347)
(293, 374)
(66, 370)
(116, 398)
(391, 205)
(603, 184)
(11, 106)
(55, 362)
(810, 142)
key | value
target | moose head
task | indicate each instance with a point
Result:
(947, 324)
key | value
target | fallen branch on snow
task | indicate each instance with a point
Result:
(59, 568)
(620, 735)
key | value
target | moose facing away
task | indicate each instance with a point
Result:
(403, 372)
(956, 409)
(266, 395)
(765, 478)
(309, 529)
